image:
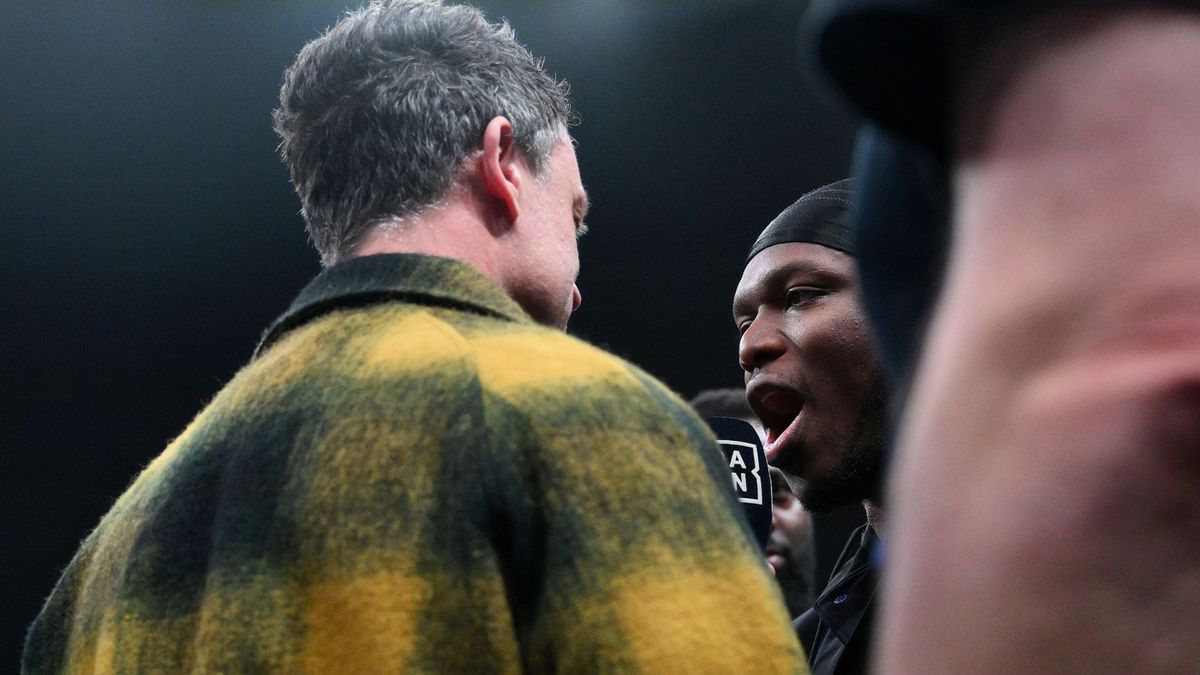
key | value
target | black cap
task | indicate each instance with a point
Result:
(819, 217)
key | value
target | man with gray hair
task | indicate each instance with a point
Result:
(418, 470)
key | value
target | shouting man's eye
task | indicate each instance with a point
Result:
(803, 295)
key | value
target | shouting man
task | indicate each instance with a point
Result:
(814, 379)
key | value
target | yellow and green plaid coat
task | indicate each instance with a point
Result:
(411, 474)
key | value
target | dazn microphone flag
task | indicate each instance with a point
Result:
(748, 469)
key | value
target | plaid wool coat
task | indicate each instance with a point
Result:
(412, 475)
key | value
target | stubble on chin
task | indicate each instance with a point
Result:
(858, 477)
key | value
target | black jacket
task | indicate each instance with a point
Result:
(836, 632)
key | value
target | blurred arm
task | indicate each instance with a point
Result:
(1047, 498)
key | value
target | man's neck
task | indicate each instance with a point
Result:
(451, 231)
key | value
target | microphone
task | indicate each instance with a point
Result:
(748, 469)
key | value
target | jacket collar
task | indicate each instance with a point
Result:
(847, 598)
(405, 277)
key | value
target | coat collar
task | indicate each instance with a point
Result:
(405, 277)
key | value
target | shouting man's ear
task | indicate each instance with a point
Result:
(500, 166)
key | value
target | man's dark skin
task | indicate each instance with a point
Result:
(814, 379)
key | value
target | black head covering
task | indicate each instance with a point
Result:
(819, 217)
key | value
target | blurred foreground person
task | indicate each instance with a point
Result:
(418, 470)
(791, 549)
(814, 379)
(1047, 492)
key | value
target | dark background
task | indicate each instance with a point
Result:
(150, 233)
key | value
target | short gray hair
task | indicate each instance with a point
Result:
(378, 115)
